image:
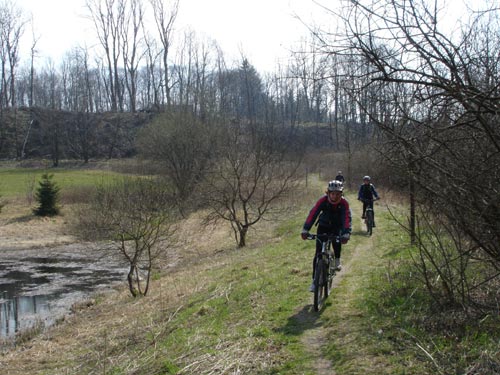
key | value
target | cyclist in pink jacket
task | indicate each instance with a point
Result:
(334, 217)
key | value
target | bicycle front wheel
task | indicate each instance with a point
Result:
(369, 222)
(327, 278)
(331, 273)
(320, 284)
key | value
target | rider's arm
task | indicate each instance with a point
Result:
(350, 220)
(374, 192)
(346, 219)
(313, 214)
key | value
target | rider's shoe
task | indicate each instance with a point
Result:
(374, 225)
(338, 267)
(312, 288)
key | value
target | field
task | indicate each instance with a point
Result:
(20, 183)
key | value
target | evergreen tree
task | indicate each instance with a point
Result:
(47, 195)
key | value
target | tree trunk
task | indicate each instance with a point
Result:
(130, 279)
(413, 236)
(243, 235)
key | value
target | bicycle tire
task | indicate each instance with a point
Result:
(331, 273)
(319, 285)
(327, 278)
(369, 222)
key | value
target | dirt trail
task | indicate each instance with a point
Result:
(314, 337)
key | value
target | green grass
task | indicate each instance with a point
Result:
(21, 181)
(370, 347)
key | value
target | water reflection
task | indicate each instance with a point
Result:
(42, 289)
(20, 313)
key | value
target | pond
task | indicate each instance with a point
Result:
(40, 286)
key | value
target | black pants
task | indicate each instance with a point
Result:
(337, 246)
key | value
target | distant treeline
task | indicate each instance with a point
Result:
(31, 133)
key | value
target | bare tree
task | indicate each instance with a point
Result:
(151, 77)
(165, 18)
(256, 167)
(108, 17)
(193, 72)
(135, 216)
(438, 91)
(131, 43)
(11, 30)
(33, 52)
(182, 146)
(74, 73)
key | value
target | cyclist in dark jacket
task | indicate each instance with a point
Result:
(340, 177)
(334, 218)
(367, 194)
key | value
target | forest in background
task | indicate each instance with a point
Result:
(135, 72)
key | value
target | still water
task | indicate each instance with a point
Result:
(39, 288)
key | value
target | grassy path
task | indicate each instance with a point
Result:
(315, 337)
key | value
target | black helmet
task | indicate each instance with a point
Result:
(335, 185)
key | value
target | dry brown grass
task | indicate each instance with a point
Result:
(20, 229)
(92, 335)
(95, 335)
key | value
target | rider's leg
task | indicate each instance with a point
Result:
(337, 248)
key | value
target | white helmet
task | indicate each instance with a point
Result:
(366, 178)
(335, 185)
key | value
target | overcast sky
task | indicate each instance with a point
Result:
(264, 30)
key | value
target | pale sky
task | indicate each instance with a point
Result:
(263, 30)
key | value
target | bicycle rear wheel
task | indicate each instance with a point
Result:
(369, 222)
(320, 285)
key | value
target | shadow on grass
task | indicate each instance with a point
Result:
(303, 320)
(23, 219)
(359, 233)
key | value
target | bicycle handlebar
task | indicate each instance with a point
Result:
(369, 200)
(323, 237)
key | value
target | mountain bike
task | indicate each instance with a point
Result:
(324, 269)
